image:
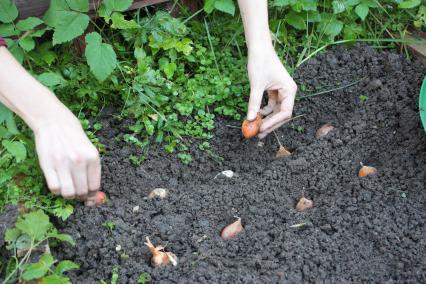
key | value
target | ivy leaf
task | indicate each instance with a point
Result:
(16, 149)
(65, 265)
(55, 279)
(226, 6)
(27, 43)
(69, 26)
(296, 21)
(409, 4)
(109, 6)
(35, 224)
(28, 24)
(38, 269)
(9, 12)
(100, 56)
(362, 11)
(79, 5)
(12, 235)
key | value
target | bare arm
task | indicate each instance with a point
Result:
(265, 69)
(69, 161)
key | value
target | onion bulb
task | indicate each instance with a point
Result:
(367, 171)
(251, 128)
(282, 152)
(232, 230)
(158, 192)
(324, 130)
(304, 204)
(160, 258)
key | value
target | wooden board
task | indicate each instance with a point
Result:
(38, 7)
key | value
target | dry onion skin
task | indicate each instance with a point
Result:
(282, 152)
(232, 230)
(251, 128)
(160, 258)
(324, 130)
(367, 171)
(304, 204)
(158, 193)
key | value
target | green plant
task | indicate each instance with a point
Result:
(363, 98)
(110, 226)
(31, 231)
(144, 278)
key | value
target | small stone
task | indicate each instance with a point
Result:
(228, 173)
(136, 208)
(118, 248)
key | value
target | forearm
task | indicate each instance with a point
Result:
(255, 19)
(24, 95)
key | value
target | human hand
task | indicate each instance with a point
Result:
(70, 162)
(266, 72)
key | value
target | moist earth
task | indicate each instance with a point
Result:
(361, 230)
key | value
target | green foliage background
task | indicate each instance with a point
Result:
(170, 76)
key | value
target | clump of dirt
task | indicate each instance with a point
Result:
(361, 230)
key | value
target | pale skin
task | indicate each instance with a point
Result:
(70, 162)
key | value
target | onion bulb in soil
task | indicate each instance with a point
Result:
(232, 230)
(282, 152)
(160, 258)
(101, 198)
(324, 130)
(304, 204)
(158, 192)
(251, 128)
(367, 171)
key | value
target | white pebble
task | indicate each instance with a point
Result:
(136, 208)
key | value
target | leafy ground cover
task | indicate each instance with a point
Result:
(171, 77)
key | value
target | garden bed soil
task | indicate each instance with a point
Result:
(361, 230)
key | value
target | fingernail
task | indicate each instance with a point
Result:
(251, 116)
(90, 203)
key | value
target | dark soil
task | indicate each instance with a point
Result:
(361, 230)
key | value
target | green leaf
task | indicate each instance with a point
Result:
(296, 21)
(422, 103)
(109, 6)
(8, 11)
(167, 67)
(12, 235)
(38, 269)
(63, 211)
(51, 79)
(338, 6)
(16, 149)
(62, 237)
(209, 6)
(184, 46)
(69, 26)
(226, 6)
(28, 24)
(331, 27)
(118, 22)
(55, 279)
(35, 224)
(362, 11)
(282, 3)
(8, 30)
(65, 265)
(79, 5)
(409, 4)
(100, 56)
(51, 17)
(27, 43)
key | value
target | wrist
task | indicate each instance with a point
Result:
(260, 48)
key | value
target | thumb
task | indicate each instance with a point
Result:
(255, 101)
